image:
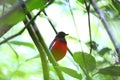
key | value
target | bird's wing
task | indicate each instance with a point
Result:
(51, 44)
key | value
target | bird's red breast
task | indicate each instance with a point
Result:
(59, 49)
(59, 46)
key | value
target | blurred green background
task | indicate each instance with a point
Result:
(20, 59)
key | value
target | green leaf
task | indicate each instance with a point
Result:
(111, 70)
(103, 51)
(81, 1)
(59, 2)
(116, 5)
(35, 4)
(86, 61)
(71, 72)
(27, 44)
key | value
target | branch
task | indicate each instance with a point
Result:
(107, 27)
(90, 34)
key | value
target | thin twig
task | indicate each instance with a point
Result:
(73, 18)
(11, 37)
(72, 14)
(90, 34)
(50, 21)
(107, 27)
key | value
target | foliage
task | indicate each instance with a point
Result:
(26, 57)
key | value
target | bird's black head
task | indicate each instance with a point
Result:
(61, 35)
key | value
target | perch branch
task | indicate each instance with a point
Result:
(88, 12)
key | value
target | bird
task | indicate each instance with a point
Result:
(58, 46)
